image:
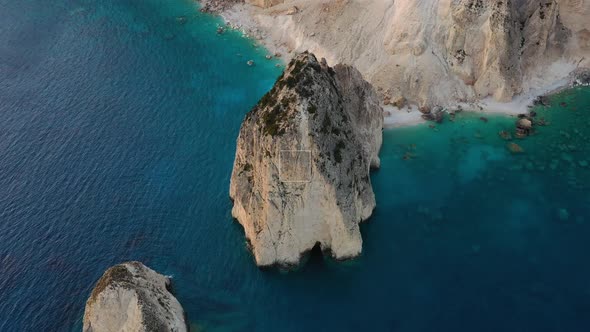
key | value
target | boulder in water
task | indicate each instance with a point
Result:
(514, 148)
(524, 127)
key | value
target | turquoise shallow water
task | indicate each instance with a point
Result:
(117, 133)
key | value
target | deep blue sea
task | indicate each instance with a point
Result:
(118, 124)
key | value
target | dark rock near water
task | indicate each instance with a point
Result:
(436, 114)
(514, 148)
(542, 101)
(218, 6)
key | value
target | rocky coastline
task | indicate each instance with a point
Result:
(480, 56)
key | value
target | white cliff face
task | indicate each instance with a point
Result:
(131, 297)
(301, 173)
(438, 52)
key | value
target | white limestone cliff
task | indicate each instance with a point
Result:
(301, 172)
(131, 297)
(436, 52)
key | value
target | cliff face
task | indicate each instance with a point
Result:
(131, 297)
(301, 172)
(495, 46)
(441, 51)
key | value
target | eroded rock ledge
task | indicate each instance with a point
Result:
(301, 172)
(132, 297)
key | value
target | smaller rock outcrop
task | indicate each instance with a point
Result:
(436, 114)
(131, 297)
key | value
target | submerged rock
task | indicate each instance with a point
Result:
(514, 148)
(542, 101)
(563, 214)
(567, 157)
(476, 248)
(301, 172)
(505, 135)
(181, 20)
(133, 297)
(541, 122)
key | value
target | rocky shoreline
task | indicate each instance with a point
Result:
(287, 31)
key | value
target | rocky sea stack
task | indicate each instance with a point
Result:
(301, 172)
(132, 297)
